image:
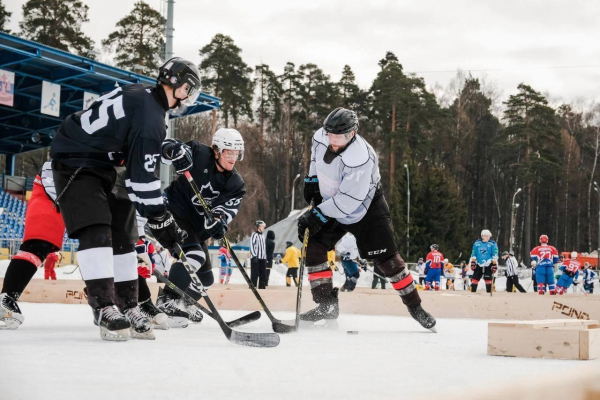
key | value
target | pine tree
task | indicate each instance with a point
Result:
(290, 81)
(57, 23)
(228, 76)
(139, 39)
(4, 16)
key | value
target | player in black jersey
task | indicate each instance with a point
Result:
(223, 189)
(125, 127)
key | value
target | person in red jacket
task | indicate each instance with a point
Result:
(49, 264)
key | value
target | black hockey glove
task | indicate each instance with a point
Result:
(217, 228)
(165, 230)
(178, 154)
(311, 190)
(363, 264)
(314, 220)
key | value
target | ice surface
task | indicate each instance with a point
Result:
(57, 354)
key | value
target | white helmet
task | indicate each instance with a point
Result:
(229, 139)
(574, 254)
(533, 263)
(486, 232)
(445, 261)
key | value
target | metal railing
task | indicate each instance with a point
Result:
(13, 247)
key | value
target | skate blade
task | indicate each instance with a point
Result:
(160, 319)
(320, 324)
(121, 335)
(161, 327)
(148, 335)
(9, 323)
(432, 329)
(178, 322)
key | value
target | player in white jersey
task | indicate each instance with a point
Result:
(344, 183)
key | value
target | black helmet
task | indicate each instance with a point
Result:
(434, 247)
(341, 121)
(288, 244)
(178, 71)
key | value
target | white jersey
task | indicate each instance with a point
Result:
(349, 181)
(348, 245)
(48, 180)
(421, 270)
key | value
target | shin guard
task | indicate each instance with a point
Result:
(401, 279)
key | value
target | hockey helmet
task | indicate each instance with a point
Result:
(574, 254)
(533, 263)
(504, 253)
(341, 121)
(228, 139)
(260, 223)
(175, 73)
(486, 233)
(586, 265)
(434, 247)
(544, 239)
(511, 253)
(445, 261)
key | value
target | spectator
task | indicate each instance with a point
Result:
(421, 271)
(258, 254)
(225, 258)
(51, 260)
(270, 243)
(512, 274)
(449, 274)
(292, 259)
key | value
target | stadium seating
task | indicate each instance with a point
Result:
(12, 221)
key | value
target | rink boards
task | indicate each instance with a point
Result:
(446, 304)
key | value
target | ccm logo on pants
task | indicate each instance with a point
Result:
(375, 252)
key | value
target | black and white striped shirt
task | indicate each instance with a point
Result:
(258, 248)
(511, 266)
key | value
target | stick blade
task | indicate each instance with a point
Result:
(246, 319)
(254, 339)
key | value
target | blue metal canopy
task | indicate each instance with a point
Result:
(23, 127)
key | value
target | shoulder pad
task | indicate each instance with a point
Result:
(357, 153)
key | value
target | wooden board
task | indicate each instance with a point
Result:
(559, 339)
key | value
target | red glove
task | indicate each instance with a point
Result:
(473, 265)
(145, 267)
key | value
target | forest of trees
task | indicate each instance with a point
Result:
(466, 151)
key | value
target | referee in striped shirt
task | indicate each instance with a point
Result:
(258, 254)
(512, 275)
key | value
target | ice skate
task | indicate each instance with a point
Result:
(324, 315)
(141, 326)
(169, 304)
(423, 317)
(195, 315)
(10, 314)
(159, 318)
(114, 326)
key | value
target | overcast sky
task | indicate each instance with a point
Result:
(510, 41)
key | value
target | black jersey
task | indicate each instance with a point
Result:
(223, 191)
(123, 127)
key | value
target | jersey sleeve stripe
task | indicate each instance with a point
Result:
(148, 202)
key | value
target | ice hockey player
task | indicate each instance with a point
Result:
(570, 272)
(225, 258)
(349, 253)
(344, 183)
(449, 274)
(588, 278)
(434, 265)
(484, 261)
(122, 128)
(292, 259)
(545, 256)
(44, 233)
(49, 265)
(222, 188)
(421, 271)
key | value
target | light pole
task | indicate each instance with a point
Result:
(597, 189)
(512, 220)
(407, 212)
(294, 190)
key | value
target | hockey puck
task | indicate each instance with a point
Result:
(352, 332)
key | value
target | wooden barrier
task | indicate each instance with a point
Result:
(565, 339)
(502, 306)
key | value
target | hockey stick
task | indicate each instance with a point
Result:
(242, 338)
(301, 275)
(74, 269)
(278, 325)
(246, 319)
(458, 258)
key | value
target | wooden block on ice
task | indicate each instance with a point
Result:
(561, 339)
